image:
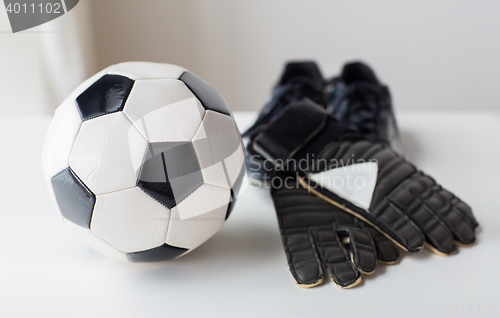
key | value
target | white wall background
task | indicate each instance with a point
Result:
(20, 71)
(40, 66)
(435, 55)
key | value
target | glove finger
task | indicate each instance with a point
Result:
(405, 197)
(364, 253)
(334, 256)
(387, 252)
(437, 234)
(454, 213)
(303, 260)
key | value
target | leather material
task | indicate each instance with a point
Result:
(362, 103)
(208, 96)
(76, 202)
(170, 172)
(406, 205)
(108, 153)
(95, 167)
(195, 231)
(107, 95)
(313, 232)
(60, 138)
(217, 143)
(221, 154)
(203, 200)
(130, 220)
(164, 110)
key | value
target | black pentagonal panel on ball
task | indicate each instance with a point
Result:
(107, 95)
(161, 253)
(170, 172)
(76, 202)
(208, 96)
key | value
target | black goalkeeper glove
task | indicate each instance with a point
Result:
(391, 194)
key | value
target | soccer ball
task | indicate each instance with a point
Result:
(144, 161)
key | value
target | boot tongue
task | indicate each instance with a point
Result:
(358, 72)
(301, 69)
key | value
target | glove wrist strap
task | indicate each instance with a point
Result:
(296, 125)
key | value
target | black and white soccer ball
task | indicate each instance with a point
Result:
(144, 161)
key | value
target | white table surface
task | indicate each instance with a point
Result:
(241, 272)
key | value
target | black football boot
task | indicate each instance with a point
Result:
(361, 102)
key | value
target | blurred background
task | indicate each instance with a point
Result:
(435, 55)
